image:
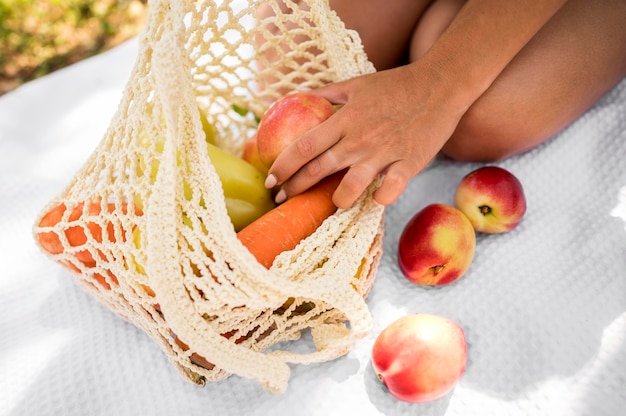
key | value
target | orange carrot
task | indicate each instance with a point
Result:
(97, 276)
(103, 282)
(280, 229)
(77, 236)
(283, 227)
(50, 241)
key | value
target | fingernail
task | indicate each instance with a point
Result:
(271, 181)
(281, 196)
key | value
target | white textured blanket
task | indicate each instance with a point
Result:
(543, 307)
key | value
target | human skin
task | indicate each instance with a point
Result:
(502, 78)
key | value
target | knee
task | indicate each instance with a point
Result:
(474, 143)
(486, 136)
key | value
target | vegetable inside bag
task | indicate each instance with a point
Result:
(144, 223)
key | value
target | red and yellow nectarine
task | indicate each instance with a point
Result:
(288, 118)
(436, 246)
(420, 357)
(251, 155)
(492, 198)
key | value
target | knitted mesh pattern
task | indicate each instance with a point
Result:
(143, 224)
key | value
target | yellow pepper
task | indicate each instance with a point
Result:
(244, 187)
(207, 127)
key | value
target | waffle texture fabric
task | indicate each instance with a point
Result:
(543, 307)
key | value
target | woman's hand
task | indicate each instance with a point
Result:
(390, 123)
(394, 122)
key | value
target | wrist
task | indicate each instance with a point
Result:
(448, 88)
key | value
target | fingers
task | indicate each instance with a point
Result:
(325, 150)
(395, 181)
(314, 152)
(306, 157)
(308, 175)
(359, 138)
(356, 180)
(354, 183)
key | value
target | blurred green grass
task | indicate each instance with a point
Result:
(38, 37)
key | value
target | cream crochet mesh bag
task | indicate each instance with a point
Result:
(172, 264)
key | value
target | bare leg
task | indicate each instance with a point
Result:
(385, 27)
(577, 57)
(570, 64)
(433, 22)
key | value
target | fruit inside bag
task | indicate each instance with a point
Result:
(148, 223)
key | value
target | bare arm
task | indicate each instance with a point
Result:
(394, 122)
(482, 40)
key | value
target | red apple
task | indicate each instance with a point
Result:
(251, 155)
(492, 198)
(420, 357)
(436, 246)
(288, 118)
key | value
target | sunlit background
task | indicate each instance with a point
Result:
(38, 37)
